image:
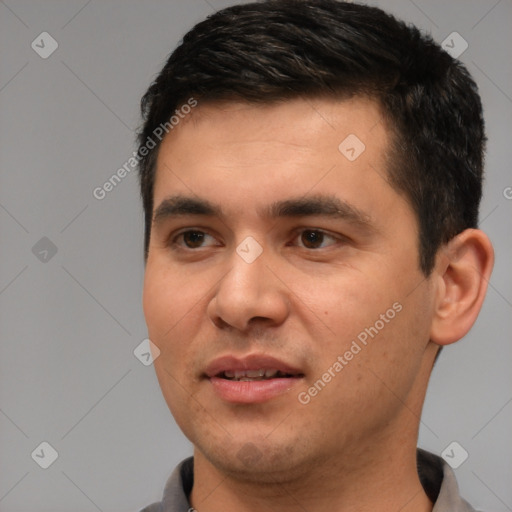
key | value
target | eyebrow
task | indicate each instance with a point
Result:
(323, 206)
(304, 206)
(175, 206)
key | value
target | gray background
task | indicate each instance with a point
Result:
(71, 321)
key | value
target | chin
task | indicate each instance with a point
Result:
(258, 460)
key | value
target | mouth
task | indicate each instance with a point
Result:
(254, 375)
(253, 379)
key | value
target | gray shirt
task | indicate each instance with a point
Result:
(436, 476)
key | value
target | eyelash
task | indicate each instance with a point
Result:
(174, 240)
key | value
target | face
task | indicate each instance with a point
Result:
(282, 286)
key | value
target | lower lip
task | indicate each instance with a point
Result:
(252, 392)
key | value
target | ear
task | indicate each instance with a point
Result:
(463, 269)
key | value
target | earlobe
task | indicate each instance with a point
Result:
(464, 268)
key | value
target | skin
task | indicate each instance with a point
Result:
(353, 446)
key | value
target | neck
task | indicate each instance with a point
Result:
(386, 481)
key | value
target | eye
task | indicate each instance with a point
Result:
(194, 239)
(315, 239)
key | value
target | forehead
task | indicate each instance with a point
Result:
(240, 152)
(300, 120)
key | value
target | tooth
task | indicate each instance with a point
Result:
(229, 374)
(255, 373)
(270, 373)
(245, 379)
(239, 373)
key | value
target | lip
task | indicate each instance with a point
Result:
(250, 362)
(247, 392)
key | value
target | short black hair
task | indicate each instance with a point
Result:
(271, 51)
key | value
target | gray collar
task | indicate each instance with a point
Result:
(436, 476)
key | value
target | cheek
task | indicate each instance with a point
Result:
(372, 323)
(171, 311)
(175, 389)
(169, 300)
(174, 304)
(342, 305)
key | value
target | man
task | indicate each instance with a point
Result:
(311, 173)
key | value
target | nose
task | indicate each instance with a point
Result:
(249, 294)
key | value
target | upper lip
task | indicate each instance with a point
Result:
(250, 362)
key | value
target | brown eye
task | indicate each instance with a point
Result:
(193, 239)
(189, 241)
(312, 239)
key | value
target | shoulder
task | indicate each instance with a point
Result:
(154, 507)
(176, 491)
(440, 484)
